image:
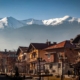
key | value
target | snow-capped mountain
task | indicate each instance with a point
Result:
(31, 30)
(54, 21)
(32, 21)
(57, 21)
(10, 22)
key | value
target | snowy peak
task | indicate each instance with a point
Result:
(57, 21)
(66, 18)
(71, 19)
(53, 21)
(10, 22)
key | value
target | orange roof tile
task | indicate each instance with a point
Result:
(61, 45)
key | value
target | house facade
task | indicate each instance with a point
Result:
(63, 55)
(76, 41)
(7, 61)
(37, 57)
(21, 61)
(11, 59)
(3, 62)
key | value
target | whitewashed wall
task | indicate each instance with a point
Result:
(56, 70)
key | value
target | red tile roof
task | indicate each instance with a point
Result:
(63, 44)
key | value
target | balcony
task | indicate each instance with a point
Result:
(33, 59)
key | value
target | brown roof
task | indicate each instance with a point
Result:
(24, 49)
(3, 52)
(76, 39)
(39, 46)
(7, 53)
(63, 44)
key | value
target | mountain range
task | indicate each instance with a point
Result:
(15, 33)
(10, 22)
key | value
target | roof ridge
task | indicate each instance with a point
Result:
(23, 46)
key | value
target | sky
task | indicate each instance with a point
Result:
(39, 9)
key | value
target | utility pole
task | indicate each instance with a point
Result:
(39, 67)
(62, 58)
(62, 69)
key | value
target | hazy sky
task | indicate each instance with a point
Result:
(39, 9)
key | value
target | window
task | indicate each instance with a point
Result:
(79, 43)
(59, 65)
(60, 55)
(33, 55)
(24, 53)
(48, 55)
(50, 66)
(24, 57)
(79, 53)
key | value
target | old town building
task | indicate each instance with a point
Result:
(21, 61)
(37, 56)
(7, 61)
(63, 55)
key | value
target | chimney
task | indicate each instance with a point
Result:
(5, 50)
(9, 50)
(54, 43)
(48, 42)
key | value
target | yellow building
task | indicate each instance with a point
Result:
(35, 52)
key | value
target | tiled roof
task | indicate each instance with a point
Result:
(61, 45)
(3, 52)
(6, 54)
(41, 45)
(76, 39)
